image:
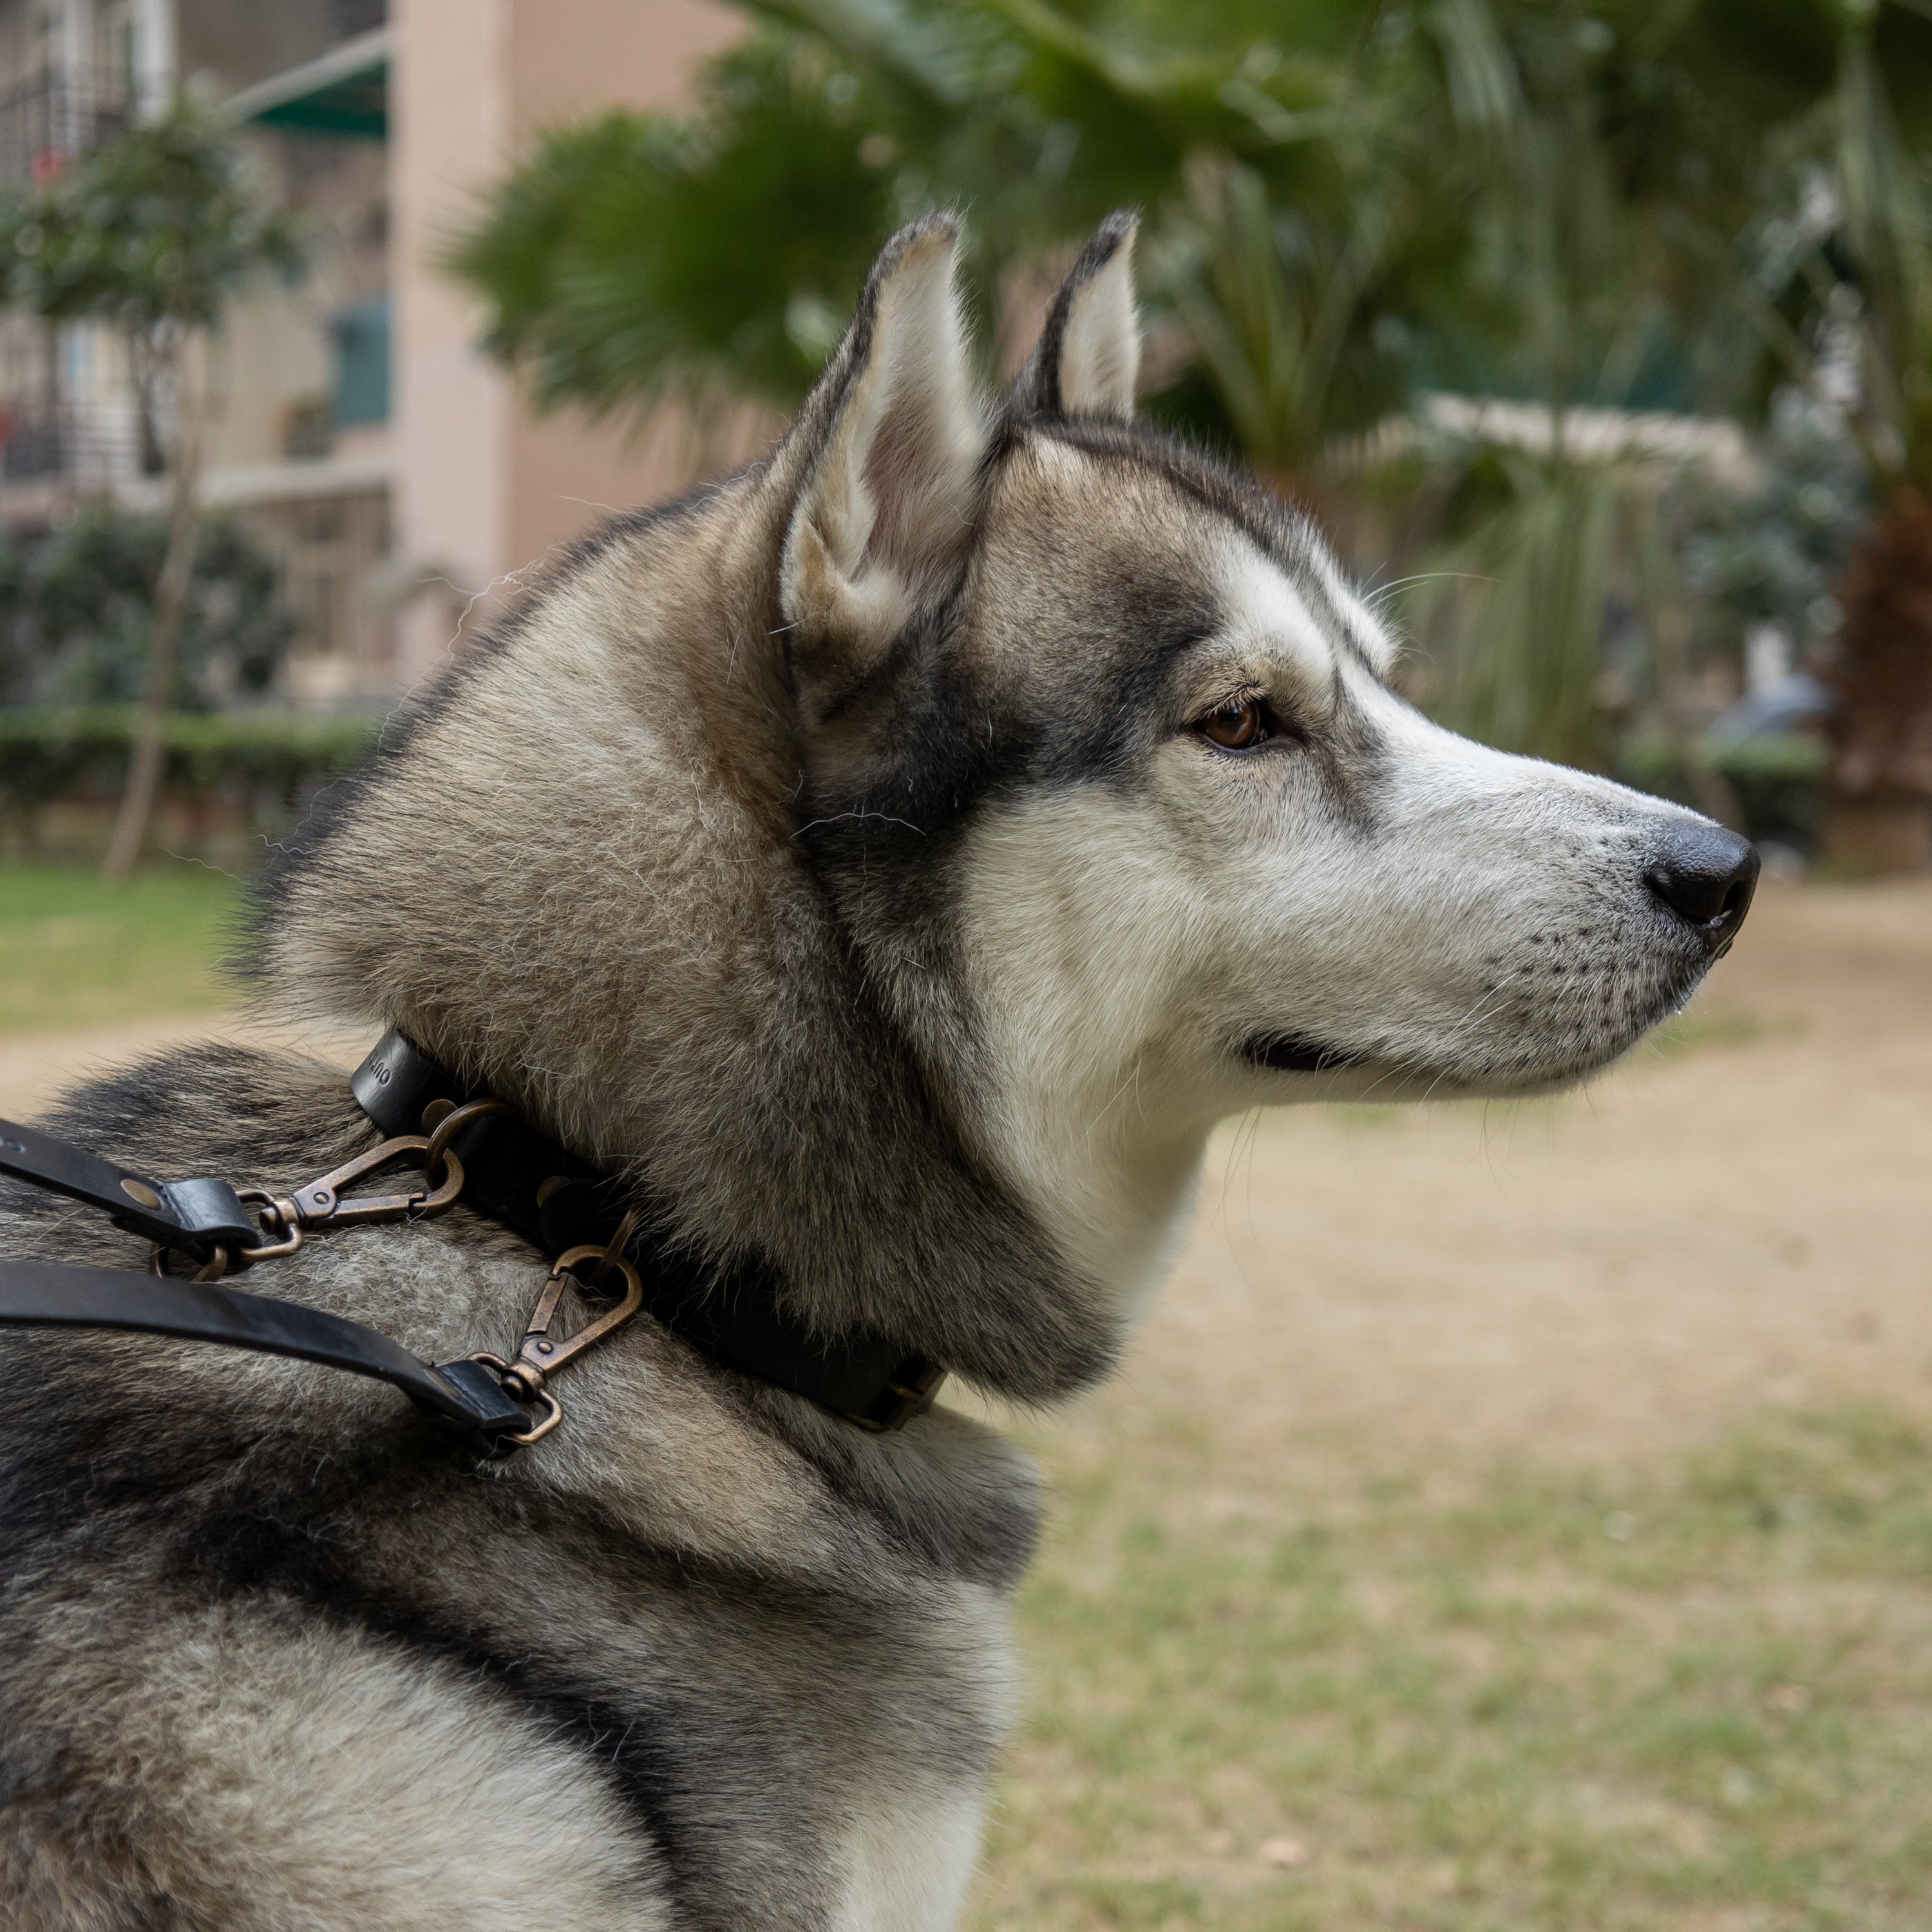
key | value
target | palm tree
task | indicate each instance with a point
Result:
(1573, 281)
(638, 255)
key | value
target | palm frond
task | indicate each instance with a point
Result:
(1485, 92)
(936, 51)
(1887, 198)
(1272, 307)
(1513, 612)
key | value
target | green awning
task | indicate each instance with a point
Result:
(358, 108)
(344, 93)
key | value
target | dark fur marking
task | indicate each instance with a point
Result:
(1280, 532)
(250, 1556)
(249, 1545)
(936, 771)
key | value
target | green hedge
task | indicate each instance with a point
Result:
(254, 764)
(1776, 779)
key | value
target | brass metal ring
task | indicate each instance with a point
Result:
(445, 1192)
(213, 1269)
(519, 1391)
(553, 1414)
(282, 1214)
(617, 1248)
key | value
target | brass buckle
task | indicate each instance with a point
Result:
(540, 1355)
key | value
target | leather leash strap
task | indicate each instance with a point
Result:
(208, 1221)
(59, 1294)
(196, 1216)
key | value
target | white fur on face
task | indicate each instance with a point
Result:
(1079, 913)
(1461, 920)
(1364, 630)
(1269, 624)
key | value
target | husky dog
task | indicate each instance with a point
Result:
(894, 860)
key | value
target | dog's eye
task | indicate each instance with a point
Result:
(1237, 727)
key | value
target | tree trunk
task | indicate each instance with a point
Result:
(1878, 799)
(171, 590)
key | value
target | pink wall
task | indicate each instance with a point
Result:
(483, 487)
(572, 56)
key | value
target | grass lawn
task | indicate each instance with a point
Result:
(1521, 1702)
(75, 952)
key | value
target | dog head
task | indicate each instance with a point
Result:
(1096, 733)
(900, 855)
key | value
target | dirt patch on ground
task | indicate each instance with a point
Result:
(1739, 1214)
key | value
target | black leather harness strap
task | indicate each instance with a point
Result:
(57, 1294)
(559, 1201)
(197, 1215)
(471, 1147)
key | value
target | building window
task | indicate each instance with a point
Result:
(362, 338)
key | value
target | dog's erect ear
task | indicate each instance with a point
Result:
(1089, 353)
(887, 502)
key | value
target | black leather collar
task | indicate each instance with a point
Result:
(557, 1200)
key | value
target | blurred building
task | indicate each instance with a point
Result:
(399, 478)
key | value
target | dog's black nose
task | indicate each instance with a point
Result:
(1707, 875)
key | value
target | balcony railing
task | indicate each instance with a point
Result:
(81, 447)
(57, 113)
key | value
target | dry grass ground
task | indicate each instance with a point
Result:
(1510, 1518)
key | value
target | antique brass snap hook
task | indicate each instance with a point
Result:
(541, 1354)
(322, 1203)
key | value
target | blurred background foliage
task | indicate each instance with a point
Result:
(76, 612)
(1353, 210)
